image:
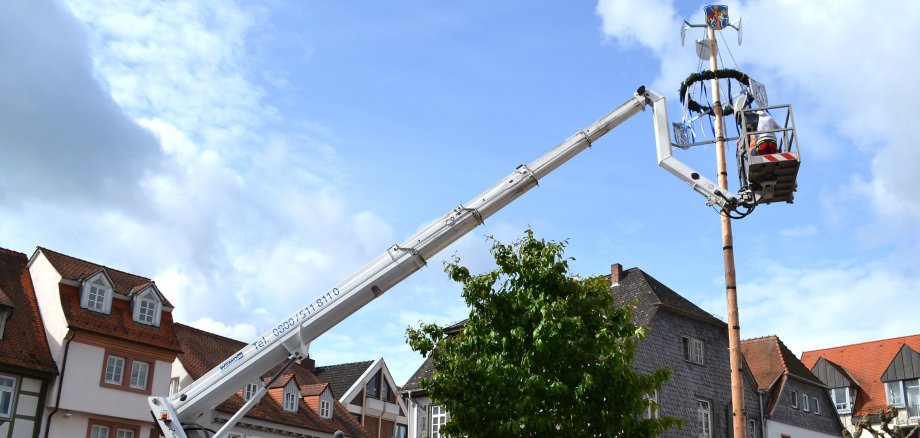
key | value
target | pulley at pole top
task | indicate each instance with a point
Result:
(716, 19)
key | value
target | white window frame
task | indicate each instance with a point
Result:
(651, 411)
(694, 351)
(805, 406)
(174, 386)
(438, 419)
(250, 390)
(99, 431)
(8, 392)
(814, 401)
(751, 429)
(893, 399)
(795, 399)
(100, 289)
(124, 433)
(110, 369)
(847, 404)
(136, 381)
(912, 405)
(704, 418)
(290, 401)
(325, 409)
(147, 308)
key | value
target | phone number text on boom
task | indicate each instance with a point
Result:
(301, 315)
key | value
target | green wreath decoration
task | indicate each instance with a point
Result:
(725, 73)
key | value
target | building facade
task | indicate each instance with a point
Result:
(368, 391)
(111, 332)
(297, 404)
(27, 369)
(865, 378)
(793, 400)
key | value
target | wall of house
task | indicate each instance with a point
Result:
(663, 348)
(418, 416)
(783, 413)
(67, 423)
(26, 417)
(45, 280)
(82, 391)
(777, 430)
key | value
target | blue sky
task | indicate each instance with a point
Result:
(247, 156)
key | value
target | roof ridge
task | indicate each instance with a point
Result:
(758, 338)
(93, 263)
(344, 364)
(13, 251)
(861, 343)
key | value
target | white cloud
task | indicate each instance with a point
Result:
(241, 332)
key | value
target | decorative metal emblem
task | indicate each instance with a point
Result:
(683, 135)
(760, 93)
(716, 16)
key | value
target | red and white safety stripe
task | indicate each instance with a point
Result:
(779, 157)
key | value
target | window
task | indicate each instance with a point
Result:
(651, 411)
(139, 374)
(114, 368)
(373, 386)
(438, 419)
(816, 405)
(894, 392)
(795, 399)
(693, 350)
(841, 399)
(174, 386)
(104, 428)
(147, 308)
(751, 429)
(325, 409)
(290, 400)
(5, 313)
(250, 390)
(97, 294)
(805, 402)
(402, 431)
(99, 431)
(7, 390)
(704, 418)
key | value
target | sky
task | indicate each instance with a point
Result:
(249, 155)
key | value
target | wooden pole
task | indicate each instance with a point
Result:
(728, 256)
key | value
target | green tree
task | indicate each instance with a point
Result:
(543, 353)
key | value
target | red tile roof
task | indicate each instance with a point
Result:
(865, 362)
(23, 344)
(75, 269)
(772, 364)
(119, 323)
(204, 351)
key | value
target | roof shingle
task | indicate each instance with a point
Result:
(866, 362)
(341, 377)
(24, 343)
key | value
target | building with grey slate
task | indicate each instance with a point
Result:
(793, 401)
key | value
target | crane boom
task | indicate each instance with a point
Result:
(291, 337)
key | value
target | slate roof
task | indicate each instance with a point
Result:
(865, 362)
(119, 322)
(24, 343)
(341, 377)
(204, 351)
(650, 295)
(772, 363)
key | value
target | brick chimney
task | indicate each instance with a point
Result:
(616, 270)
(309, 363)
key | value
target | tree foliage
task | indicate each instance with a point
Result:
(877, 425)
(543, 353)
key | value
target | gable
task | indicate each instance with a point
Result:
(905, 365)
(831, 374)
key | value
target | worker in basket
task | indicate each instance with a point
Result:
(764, 143)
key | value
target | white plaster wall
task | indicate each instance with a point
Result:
(776, 430)
(45, 279)
(413, 411)
(82, 392)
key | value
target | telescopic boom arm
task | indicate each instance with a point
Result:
(290, 339)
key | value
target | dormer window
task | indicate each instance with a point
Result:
(325, 404)
(97, 294)
(147, 308)
(291, 396)
(842, 399)
(5, 313)
(250, 390)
